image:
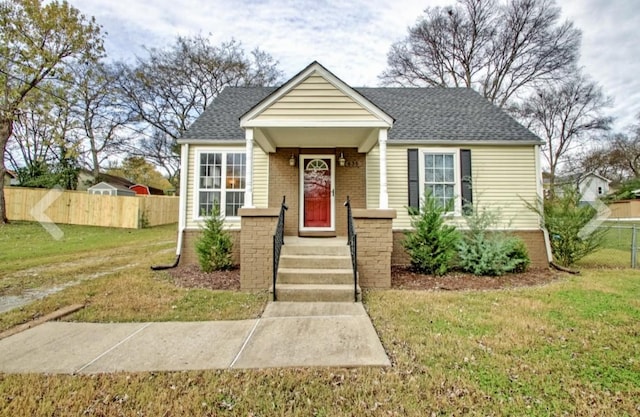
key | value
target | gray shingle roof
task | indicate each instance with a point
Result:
(221, 120)
(421, 114)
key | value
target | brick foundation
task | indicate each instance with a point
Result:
(188, 254)
(399, 255)
(375, 243)
(533, 239)
(256, 252)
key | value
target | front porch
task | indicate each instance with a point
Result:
(322, 139)
(322, 262)
(287, 179)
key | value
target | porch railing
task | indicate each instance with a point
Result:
(352, 241)
(278, 242)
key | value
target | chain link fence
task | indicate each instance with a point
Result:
(619, 247)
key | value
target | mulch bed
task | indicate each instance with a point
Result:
(402, 277)
(190, 276)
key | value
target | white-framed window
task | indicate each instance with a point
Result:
(220, 180)
(440, 176)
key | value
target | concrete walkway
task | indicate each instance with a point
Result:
(287, 335)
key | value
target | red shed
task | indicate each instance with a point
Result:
(140, 189)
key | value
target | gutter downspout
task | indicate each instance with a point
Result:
(540, 198)
(182, 217)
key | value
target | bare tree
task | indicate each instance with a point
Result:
(34, 132)
(618, 158)
(170, 88)
(599, 159)
(41, 149)
(564, 115)
(97, 103)
(496, 49)
(161, 149)
(35, 39)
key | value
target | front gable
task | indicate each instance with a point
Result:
(315, 98)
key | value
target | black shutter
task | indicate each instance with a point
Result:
(414, 179)
(465, 173)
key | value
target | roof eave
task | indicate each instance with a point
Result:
(595, 174)
(440, 142)
(315, 123)
(185, 141)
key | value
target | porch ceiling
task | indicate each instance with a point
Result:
(270, 138)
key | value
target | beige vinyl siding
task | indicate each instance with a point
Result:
(397, 184)
(315, 99)
(396, 178)
(260, 178)
(504, 177)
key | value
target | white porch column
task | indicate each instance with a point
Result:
(384, 194)
(248, 190)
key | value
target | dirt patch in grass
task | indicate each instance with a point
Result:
(190, 276)
(404, 277)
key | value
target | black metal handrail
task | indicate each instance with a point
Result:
(352, 241)
(278, 242)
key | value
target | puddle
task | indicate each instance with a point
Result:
(9, 302)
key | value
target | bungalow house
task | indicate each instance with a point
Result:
(317, 141)
(591, 186)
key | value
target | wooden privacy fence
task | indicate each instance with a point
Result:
(78, 207)
(626, 209)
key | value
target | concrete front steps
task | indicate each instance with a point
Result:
(315, 269)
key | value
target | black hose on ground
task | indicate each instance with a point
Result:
(564, 269)
(163, 267)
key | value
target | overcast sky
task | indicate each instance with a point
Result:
(352, 37)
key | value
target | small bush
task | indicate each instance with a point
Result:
(520, 252)
(432, 244)
(214, 245)
(482, 251)
(143, 223)
(567, 220)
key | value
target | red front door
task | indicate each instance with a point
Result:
(317, 192)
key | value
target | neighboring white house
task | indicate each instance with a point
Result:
(593, 186)
(590, 185)
(105, 188)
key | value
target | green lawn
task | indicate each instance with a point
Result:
(111, 267)
(32, 258)
(26, 244)
(568, 348)
(616, 248)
